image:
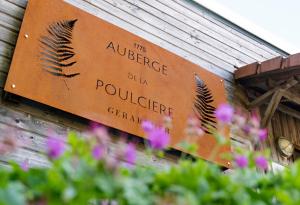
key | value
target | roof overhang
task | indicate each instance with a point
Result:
(273, 83)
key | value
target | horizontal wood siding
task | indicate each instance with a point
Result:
(180, 26)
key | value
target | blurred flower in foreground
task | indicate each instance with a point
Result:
(130, 153)
(241, 161)
(147, 126)
(224, 113)
(56, 147)
(97, 152)
(101, 134)
(255, 120)
(261, 163)
(25, 165)
(262, 135)
(159, 139)
(193, 128)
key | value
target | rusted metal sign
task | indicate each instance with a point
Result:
(73, 61)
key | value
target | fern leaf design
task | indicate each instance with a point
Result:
(57, 52)
(202, 106)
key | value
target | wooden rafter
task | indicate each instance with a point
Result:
(291, 96)
(262, 99)
(272, 107)
(289, 111)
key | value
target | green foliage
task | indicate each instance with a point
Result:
(77, 178)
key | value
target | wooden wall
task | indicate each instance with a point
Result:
(180, 26)
(283, 125)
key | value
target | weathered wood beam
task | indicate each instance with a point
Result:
(272, 107)
(289, 111)
(291, 96)
(261, 99)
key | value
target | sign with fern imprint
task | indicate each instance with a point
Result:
(57, 50)
(70, 60)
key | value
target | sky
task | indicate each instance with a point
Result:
(277, 21)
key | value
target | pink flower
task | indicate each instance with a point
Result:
(56, 147)
(193, 122)
(262, 135)
(239, 120)
(224, 113)
(25, 165)
(255, 120)
(130, 153)
(158, 138)
(99, 131)
(241, 161)
(261, 163)
(199, 131)
(147, 126)
(97, 152)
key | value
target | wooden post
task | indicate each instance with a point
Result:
(272, 107)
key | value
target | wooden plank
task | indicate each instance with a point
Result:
(11, 9)
(4, 64)
(29, 123)
(9, 22)
(2, 79)
(271, 108)
(34, 147)
(272, 64)
(212, 66)
(35, 159)
(21, 3)
(213, 21)
(6, 50)
(271, 142)
(8, 36)
(292, 129)
(182, 30)
(30, 128)
(277, 132)
(285, 132)
(28, 140)
(293, 97)
(197, 29)
(292, 112)
(247, 70)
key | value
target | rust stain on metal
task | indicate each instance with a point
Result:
(83, 65)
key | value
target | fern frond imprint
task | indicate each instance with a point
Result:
(202, 106)
(57, 53)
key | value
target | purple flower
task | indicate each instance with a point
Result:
(262, 135)
(241, 161)
(224, 113)
(130, 153)
(56, 147)
(25, 165)
(147, 126)
(255, 120)
(97, 152)
(158, 138)
(247, 129)
(261, 163)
